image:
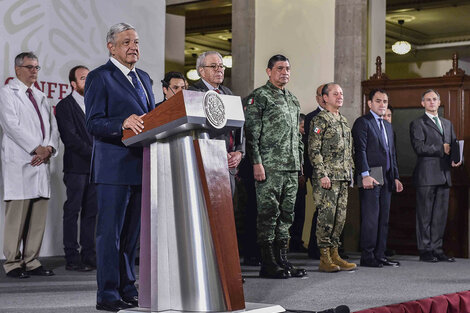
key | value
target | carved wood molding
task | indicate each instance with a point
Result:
(378, 70)
(455, 70)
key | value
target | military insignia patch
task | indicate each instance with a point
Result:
(251, 101)
(317, 130)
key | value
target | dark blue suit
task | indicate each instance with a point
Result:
(110, 98)
(371, 151)
(81, 193)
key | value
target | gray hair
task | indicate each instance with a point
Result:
(428, 91)
(202, 58)
(19, 59)
(116, 29)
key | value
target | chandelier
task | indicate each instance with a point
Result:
(401, 46)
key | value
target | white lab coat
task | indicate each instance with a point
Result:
(21, 136)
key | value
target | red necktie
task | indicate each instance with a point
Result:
(231, 142)
(36, 107)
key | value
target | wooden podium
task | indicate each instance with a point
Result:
(188, 248)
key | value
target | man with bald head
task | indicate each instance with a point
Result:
(330, 152)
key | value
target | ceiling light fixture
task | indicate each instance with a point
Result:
(227, 60)
(192, 74)
(402, 46)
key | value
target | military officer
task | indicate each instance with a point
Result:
(330, 152)
(275, 148)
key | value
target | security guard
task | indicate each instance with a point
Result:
(274, 144)
(330, 152)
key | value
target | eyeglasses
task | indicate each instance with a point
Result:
(30, 67)
(215, 67)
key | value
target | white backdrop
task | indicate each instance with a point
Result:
(65, 33)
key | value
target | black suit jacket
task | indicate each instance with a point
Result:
(433, 165)
(308, 168)
(77, 141)
(239, 144)
(369, 148)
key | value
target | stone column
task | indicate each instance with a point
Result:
(351, 53)
(350, 70)
(376, 35)
(243, 46)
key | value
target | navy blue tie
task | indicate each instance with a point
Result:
(139, 88)
(387, 149)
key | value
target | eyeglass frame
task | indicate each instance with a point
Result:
(215, 67)
(30, 67)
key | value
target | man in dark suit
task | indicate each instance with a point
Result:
(432, 138)
(375, 148)
(117, 95)
(313, 251)
(172, 83)
(211, 70)
(81, 193)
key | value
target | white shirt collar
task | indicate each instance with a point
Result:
(22, 87)
(124, 69)
(80, 99)
(432, 116)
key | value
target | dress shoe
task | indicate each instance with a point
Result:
(134, 301)
(371, 263)
(443, 258)
(78, 267)
(40, 271)
(90, 262)
(428, 257)
(17, 273)
(114, 306)
(388, 262)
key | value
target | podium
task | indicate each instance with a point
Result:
(188, 248)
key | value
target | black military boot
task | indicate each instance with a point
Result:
(280, 251)
(269, 267)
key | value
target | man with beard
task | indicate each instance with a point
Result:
(81, 193)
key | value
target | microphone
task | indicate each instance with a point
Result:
(166, 85)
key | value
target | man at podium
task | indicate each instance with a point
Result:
(211, 70)
(117, 95)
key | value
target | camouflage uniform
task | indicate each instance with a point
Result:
(330, 151)
(273, 139)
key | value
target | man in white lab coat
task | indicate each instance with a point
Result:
(30, 139)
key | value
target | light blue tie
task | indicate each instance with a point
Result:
(138, 87)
